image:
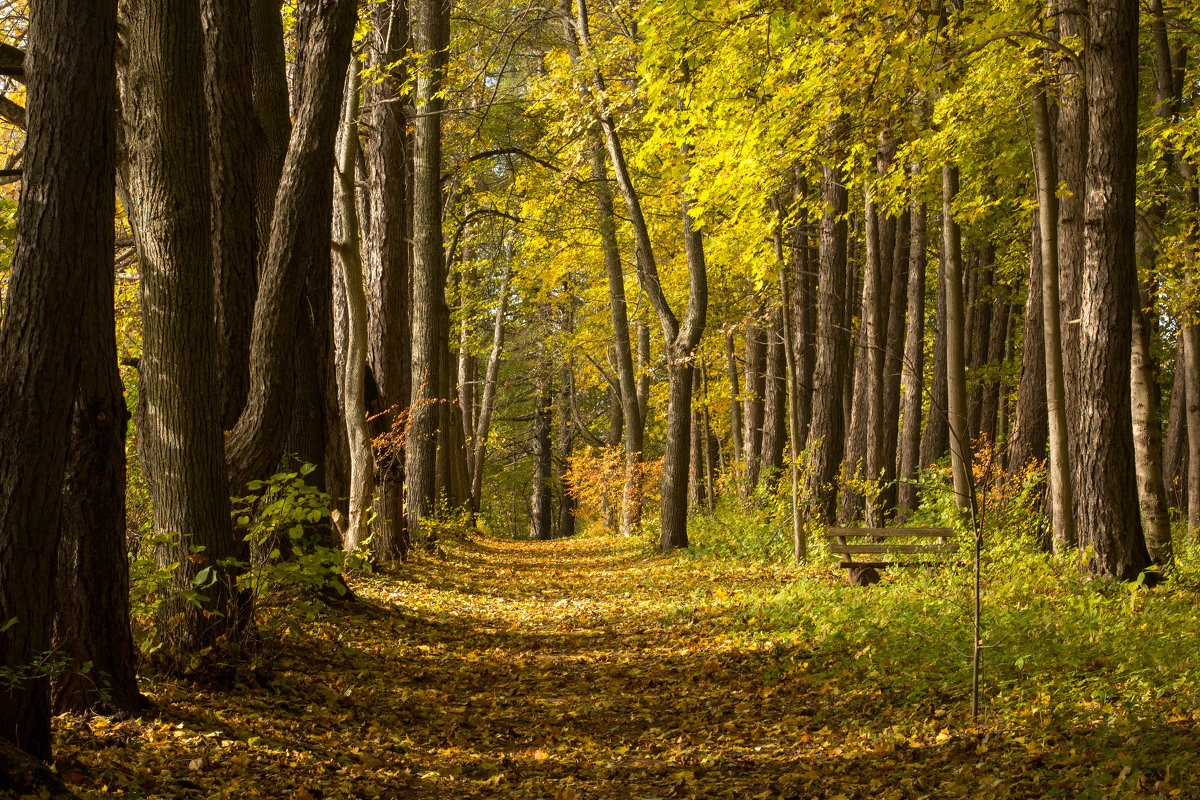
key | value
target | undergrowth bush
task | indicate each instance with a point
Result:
(293, 560)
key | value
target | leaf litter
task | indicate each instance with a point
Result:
(588, 668)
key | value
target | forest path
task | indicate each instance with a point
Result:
(564, 670)
(587, 668)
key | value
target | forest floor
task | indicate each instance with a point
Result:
(591, 668)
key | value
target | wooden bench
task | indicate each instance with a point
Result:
(883, 541)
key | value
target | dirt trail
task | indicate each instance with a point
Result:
(572, 669)
(585, 669)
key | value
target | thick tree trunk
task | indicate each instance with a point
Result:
(91, 624)
(228, 90)
(180, 441)
(64, 247)
(913, 374)
(825, 433)
(430, 340)
(387, 264)
(1109, 523)
(300, 237)
(956, 374)
(272, 118)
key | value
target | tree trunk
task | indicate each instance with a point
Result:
(64, 247)
(91, 624)
(956, 374)
(566, 441)
(430, 341)
(775, 409)
(300, 237)
(754, 385)
(936, 439)
(488, 402)
(888, 426)
(868, 366)
(272, 118)
(680, 338)
(1175, 460)
(825, 433)
(1071, 142)
(1109, 523)
(541, 517)
(989, 401)
(1191, 371)
(644, 367)
(354, 386)
(387, 264)
(804, 319)
(631, 495)
(1062, 480)
(1147, 430)
(735, 404)
(1030, 430)
(696, 488)
(180, 441)
(228, 90)
(913, 373)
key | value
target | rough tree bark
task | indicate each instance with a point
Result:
(91, 624)
(64, 238)
(387, 262)
(300, 237)
(179, 440)
(430, 339)
(825, 433)
(1109, 522)
(1071, 159)
(228, 92)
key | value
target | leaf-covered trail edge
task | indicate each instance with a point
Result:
(576, 669)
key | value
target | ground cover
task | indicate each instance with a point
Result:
(592, 667)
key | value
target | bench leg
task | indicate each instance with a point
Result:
(862, 576)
